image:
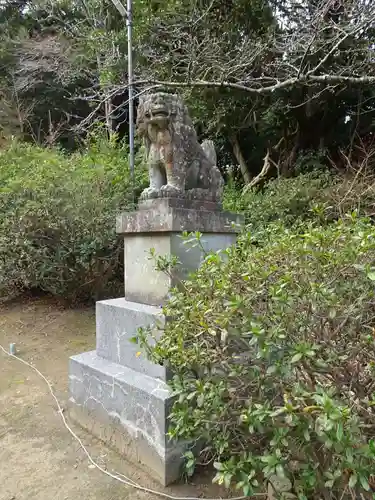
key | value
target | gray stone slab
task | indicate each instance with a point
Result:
(117, 322)
(163, 216)
(179, 202)
(127, 410)
(143, 283)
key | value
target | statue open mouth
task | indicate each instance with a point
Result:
(159, 112)
(158, 116)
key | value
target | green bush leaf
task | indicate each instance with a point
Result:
(364, 483)
(297, 357)
(353, 480)
(339, 431)
(280, 471)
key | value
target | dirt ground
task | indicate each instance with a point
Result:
(39, 459)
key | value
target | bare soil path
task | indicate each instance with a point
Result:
(39, 459)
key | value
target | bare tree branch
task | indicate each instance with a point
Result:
(332, 79)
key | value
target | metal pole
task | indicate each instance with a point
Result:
(129, 22)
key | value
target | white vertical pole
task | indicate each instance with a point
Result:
(129, 23)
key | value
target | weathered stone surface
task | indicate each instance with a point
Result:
(127, 410)
(117, 322)
(163, 216)
(164, 203)
(177, 162)
(143, 283)
(208, 147)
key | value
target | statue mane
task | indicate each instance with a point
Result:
(177, 109)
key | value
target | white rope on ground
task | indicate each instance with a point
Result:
(123, 479)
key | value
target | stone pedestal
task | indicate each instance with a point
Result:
(115, 392)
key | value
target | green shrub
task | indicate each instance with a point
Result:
(312, 160)
(273, 354)
(57, 225)
(285, 199)
(298, 199)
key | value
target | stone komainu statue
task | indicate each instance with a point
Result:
(178, 164)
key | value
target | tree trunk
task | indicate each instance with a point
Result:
(108, 116)
(107, 104)
(288, 165)
(241, 160)
(263, 174)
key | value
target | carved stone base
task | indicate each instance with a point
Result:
(128, 411)
(158, 224)
(180, 202)
(177, 215)
(117, 323)
(115, 392)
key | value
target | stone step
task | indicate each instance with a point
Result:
(127, 410)
(117, 322)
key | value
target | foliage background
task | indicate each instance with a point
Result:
(57, 225)
(272, 348)
(64, 68)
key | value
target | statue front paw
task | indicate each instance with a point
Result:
(171, 191)
(149, 193)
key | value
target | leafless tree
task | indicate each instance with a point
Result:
(327, 42)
